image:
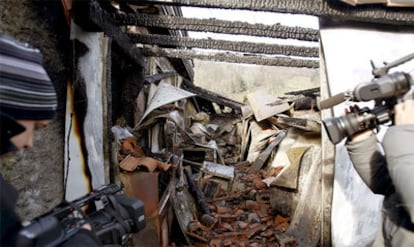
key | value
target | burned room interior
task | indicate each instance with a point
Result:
(210, 170)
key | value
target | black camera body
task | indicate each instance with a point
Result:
(113, 217)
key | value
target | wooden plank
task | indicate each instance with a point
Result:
(263, 156)
(84, 148)
(304, 225)
(328, 163)
(260, 103)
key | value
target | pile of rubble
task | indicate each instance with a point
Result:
(227, 178)
(239, 217)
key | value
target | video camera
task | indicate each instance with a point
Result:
(113, 218)
(386, 89)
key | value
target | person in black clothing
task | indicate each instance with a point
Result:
(27, 102)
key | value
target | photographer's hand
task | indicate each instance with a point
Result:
(404, 112)
(360, 136)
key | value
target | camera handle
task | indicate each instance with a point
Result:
(381, 71)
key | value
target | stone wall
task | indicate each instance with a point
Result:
(38, 173)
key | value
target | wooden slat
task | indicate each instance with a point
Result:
(218, 26)
(328, 163)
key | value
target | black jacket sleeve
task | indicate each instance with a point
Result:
(9, 221)
(82, 238)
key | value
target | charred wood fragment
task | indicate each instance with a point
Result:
(242, 46)
(159, 77)
(304, 99)
(218, 26)
(130, 91)
(197, 193)
(312, 92)
(231, 57)
(212, 97)
(305, 103)
(379, 14)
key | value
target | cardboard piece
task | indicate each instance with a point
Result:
(262, 105)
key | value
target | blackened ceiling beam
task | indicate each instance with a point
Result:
(91, 16)
(231, 57)
(173, 11)
(217, 26)
(101, 12)
(323, 8)
(241, 46)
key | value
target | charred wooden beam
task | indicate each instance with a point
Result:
(96, 15)
(212, 97)
(322, 8)
(241, 46)
(231, 57)
(91, 14)
(307, 92)
(197, 193)
(171, 11)
(159, 77)
(218, 26)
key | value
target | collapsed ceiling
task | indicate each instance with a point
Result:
(168, 37)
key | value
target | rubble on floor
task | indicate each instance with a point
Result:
(222, 176)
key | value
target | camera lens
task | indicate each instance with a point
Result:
(334, 129)
(345, 126)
